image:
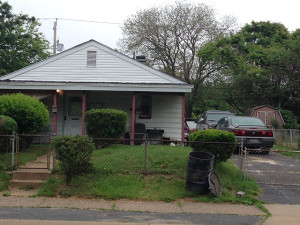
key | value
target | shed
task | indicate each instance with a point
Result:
(92, 75)
(266, 113)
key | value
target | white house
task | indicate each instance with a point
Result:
(91, 75)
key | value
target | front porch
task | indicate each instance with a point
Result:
(158, 111)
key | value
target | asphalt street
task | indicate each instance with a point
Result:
(124, 216)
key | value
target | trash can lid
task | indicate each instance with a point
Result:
(215, 185)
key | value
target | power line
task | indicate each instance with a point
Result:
(76, 20)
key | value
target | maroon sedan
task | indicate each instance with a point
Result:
(254, 133)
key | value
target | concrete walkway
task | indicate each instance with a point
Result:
(280, 214)
(283, 214)
(179, 206)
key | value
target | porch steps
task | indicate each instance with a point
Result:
(29, 177)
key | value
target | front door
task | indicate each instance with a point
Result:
(73, 113)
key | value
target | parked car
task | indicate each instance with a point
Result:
(254, 133)
(210, 118)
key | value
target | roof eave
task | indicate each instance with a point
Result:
(83, 86)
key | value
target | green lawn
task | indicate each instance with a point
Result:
(119, 172)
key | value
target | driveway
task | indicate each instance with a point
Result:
(278, 176)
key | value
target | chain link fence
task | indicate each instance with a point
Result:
(24, 151)
(7, 152)
(287, 138)
(277, 172)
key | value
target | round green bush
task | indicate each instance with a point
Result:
(205, 140)
(31, 115)
(105, 123)
(7, 125)
(74, 154)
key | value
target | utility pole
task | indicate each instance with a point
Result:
(54, 39)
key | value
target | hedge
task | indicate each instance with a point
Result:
(31, 115)
(105, 123)
(222, 151)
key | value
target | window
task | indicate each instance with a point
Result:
(146, 107)
(75, 106)
(91, 58)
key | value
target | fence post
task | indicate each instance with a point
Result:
(12, 150)
(145, 156)
(241, 155)
(245, 162)
(53, 155)
(291, 138)
(17, 148)
(48, 152)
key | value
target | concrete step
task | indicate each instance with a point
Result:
(26, 183)
(31, 174)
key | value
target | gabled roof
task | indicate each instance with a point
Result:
(250, 111)
(114, 71)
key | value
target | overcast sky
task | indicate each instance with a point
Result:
(72, 33)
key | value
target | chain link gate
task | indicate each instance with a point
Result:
(276, 171)
(31, 151)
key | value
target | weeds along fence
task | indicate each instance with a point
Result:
(287, 138)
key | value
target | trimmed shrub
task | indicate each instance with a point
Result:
(7, 126)
(105, 123)
(31, 115)
(222, 152)
(74, 154)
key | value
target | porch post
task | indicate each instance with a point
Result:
(182, 117)
(83, 112)
(132, 119)
(55, 113)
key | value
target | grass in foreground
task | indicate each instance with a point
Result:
(119, 173)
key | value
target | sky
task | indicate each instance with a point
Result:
(71, 33)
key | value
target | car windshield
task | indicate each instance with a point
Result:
(246, 121)
(217, 116)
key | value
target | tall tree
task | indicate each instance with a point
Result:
(170, 38)
(260, 65)
(21, 43)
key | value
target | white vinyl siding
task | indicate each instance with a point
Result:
(166, 110)
(73, 68)
(166, 115)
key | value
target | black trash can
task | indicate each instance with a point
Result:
(200, 164)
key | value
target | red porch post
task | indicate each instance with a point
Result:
(54, 110)
(182, 118)
(83, 112)
(132, 119)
